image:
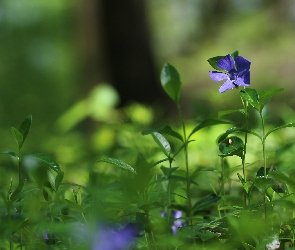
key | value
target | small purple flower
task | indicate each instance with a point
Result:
(109, 238)
(238, 72)
(177, 223)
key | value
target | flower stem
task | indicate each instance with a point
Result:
(186, 166)
(245, 104)
(264, 160)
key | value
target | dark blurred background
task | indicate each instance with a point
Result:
(82, 68)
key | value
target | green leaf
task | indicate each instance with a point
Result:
(25, 127)
(244, 183)
(235, 54)
(226, 112)
(265, 95)
(15, 195)
(11, 153)
(169, 131)
(168, 171)
(213, 62)
(289, 125)
(206, 202)
(78, 196)
(232, 145)
(171, 82)
(162, 143)
(235, 130)
(251, 96)
(75, 206)
(17, 136)
(207, 123)
(263, 183)
(118, 163)
(47, 160)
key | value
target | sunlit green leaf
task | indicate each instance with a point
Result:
(162, 143)
(118, 163)
(251, 96)
(171, 82)
(47, 160)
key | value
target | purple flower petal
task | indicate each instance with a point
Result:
(226, 86)
(243, 80)
(242, 64)
(218, 76)
(227, 63)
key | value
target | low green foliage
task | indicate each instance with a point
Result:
(161, 200)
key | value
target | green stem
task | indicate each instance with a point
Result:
(186, 166)
(169, 197)
(245, 103)
(263, 144)
(222, 181)
(264, 160)
(20, 178)
(20, 170)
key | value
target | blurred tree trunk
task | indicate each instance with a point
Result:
(128, 52)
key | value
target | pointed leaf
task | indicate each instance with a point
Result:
(265, 95)
(10, 153)
(169, 131)
(118, 163)
(289, 125)
(171, 82)
(235, 54)
(162, 143)
(226, 112)
(25, 127)
(168, 171)
(206, 202)
(232, 145)
(15, 195)
(251, 96)
(47, 160)
(207, 123)
(213, 62)
(235, 130)
(17, 136)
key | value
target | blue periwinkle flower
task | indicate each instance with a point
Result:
(108, 238)
(237, 72)
(177, 223)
